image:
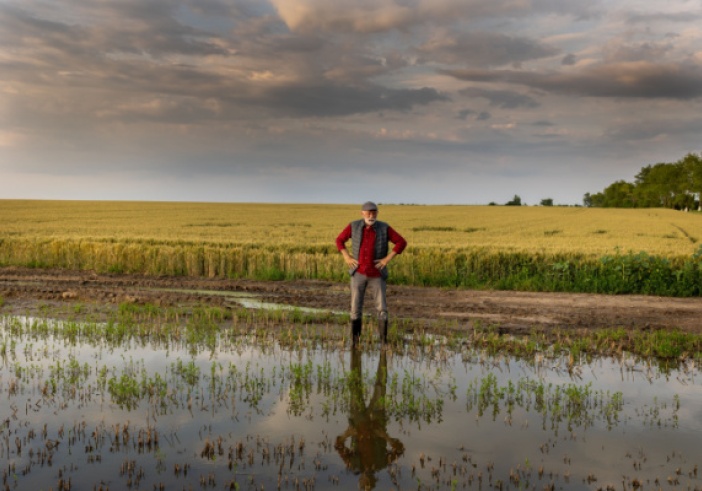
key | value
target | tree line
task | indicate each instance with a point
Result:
(676, 185)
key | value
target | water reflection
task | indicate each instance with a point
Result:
(369, 449)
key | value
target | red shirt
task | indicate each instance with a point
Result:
(365, 260)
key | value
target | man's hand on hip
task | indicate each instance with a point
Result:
(380, 264)
(352, 263)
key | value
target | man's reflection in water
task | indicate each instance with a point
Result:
(371, 449)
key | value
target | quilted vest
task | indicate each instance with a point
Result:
(381, 238)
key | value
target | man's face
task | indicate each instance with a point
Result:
(369, 216)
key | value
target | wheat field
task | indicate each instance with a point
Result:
(553, 248)
(588, 231)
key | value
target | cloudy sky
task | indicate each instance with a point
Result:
(319, 101)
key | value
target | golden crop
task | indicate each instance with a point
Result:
(543, 230)
(551, 249)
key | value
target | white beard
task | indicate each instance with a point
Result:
(369, 221)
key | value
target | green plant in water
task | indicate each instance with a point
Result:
(300, 385)
(575, 404)
(189, 372)
(125, 390)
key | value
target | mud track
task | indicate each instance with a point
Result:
(29, 291)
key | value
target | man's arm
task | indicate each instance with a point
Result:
(341, 240)
(398, 240)
(400, 244)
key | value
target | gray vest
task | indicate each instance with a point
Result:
(381, 238)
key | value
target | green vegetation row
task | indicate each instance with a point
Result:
(478, 268)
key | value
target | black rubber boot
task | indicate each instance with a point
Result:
(383, 330)
(356, 325)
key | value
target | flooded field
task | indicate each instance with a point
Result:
(150, 402)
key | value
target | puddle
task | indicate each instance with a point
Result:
(247, 300)
(165, 410)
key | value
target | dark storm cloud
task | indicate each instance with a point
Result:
(20, 28)
(621, 80)
(505, 99)
(326, 101)
(623, 52)
(662, 16)
(568, 59)
(578, 9)
(139, 27)
(648, 130)
(482, 49)
(18, 23)
(300, 44)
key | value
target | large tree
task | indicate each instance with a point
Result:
(693, 168)
(669, 185)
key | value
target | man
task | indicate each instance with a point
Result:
(368, 265)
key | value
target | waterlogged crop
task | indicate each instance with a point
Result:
(573, 404)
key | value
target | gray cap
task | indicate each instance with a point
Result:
(369, 206)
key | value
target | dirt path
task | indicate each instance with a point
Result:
(27, 291)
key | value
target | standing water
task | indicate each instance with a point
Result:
(112, 406)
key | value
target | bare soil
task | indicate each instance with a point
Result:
(32, 291)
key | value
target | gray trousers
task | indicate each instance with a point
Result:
(376, 287)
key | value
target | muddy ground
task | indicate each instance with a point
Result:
(31, 291)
